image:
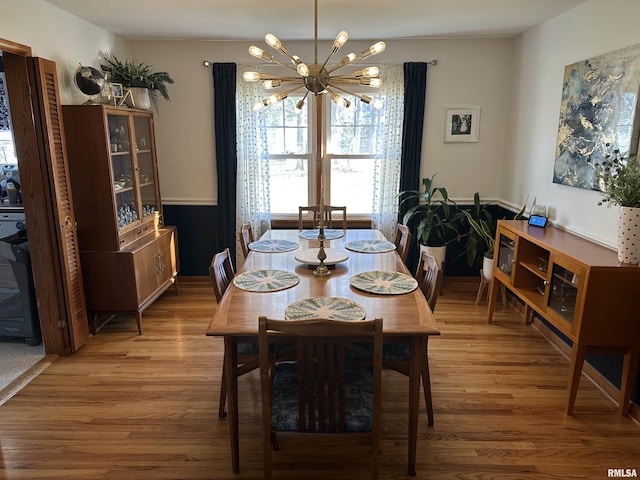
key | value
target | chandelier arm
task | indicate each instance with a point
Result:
(282, 64)
(357, 95)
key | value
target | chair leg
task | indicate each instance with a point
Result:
(426, 387)
(223, 393)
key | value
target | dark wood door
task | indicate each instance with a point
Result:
(39, 137)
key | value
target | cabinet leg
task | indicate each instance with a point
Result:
(575, 372)
(493, 294)
(629, 369)
(139, 322)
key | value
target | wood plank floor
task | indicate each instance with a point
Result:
(145, 407)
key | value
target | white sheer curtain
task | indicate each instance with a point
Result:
(252, 197)
(389, 151)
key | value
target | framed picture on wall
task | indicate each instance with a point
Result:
(461, 124)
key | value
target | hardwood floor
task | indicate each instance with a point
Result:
(145, 407)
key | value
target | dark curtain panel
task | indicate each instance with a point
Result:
(415, 87)
(224, 107)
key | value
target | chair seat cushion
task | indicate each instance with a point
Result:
(390, 351)
(247, 348)
(358, 398)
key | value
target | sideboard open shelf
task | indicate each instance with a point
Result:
(579, 287)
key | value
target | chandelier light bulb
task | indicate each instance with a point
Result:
(303, 70)
(272, 41)
(377, 48)
(270, 84)
(375, 82)
(251, 76)
(340, 40)
(370, 72)
(260, 105)
(340, 101)
(377, 104)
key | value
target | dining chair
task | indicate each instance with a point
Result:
(322, 391)
(246, 237)
(402, 241)
(429, 276)
(329, 219)
(221, 272)
(396, 356)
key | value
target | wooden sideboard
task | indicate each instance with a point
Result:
(579, 287)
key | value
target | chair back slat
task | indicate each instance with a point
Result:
(329, 218)
(246, 237)
(430, 278)
(402, 241)
(221, 272)
(325, 397)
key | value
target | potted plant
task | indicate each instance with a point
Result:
(434, 217)
(619, 182)
(139, 78)
(480, 240)
(481, 237)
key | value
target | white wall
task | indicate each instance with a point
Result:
(469, 72)
(56, 35)
(596, 27)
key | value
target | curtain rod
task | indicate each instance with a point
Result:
(207, 63)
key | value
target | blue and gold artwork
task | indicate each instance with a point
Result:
(597, 112)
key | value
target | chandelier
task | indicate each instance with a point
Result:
(316, 78)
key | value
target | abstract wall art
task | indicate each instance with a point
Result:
(597, 112)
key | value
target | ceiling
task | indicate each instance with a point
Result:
(294, 19)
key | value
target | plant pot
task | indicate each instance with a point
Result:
(629, 235)
(487, 267)
(139, 98)
(439, 253)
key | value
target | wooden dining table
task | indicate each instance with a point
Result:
(407, 316)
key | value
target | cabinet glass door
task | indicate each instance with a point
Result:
(506, 252)
(146, 171)
(122, 170)
(563, 292)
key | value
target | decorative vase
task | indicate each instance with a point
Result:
(140, 98)
(629, 235)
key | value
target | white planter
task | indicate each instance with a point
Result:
(439, 253)
(140, 98)
(487, 268)
(629, 235)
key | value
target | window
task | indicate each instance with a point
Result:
(349, 170)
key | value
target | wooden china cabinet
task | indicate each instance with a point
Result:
(129, 258)
(579, 287)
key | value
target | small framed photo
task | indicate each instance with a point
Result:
(461, 124)
(117, 90)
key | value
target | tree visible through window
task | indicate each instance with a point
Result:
(350, 151)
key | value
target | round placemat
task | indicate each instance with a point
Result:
(371, 246)
(273, 246)
(334, 308)
(384, 282)
(329, 234)
(265, 280)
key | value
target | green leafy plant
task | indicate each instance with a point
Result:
(482, 231)
(435, 216)
(619, 180)
(131, 73)
(480, 240)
